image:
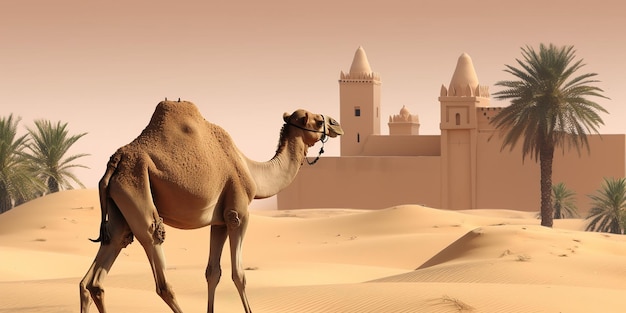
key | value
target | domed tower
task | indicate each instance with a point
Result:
(359, 100)
(404, 123)
(459, 128)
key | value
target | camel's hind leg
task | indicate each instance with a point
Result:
(148, 229)
(134, 198)
(91, 286)
(163, 288)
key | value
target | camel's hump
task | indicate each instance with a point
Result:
(171, 117)
(181, 146)
(180, 123)
(174, 110)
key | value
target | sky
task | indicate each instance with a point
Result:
(102, 66)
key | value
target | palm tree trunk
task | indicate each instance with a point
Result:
(5, 205)
(557, 211)
(545, 160)
(5, 200)
(53, 185)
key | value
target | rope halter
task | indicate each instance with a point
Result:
(323, 139)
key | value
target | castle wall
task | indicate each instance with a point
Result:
(484, 116)
(504, 182)
(584, 174)
(364, 183)
(402, 145)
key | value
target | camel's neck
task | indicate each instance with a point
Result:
(276, 174)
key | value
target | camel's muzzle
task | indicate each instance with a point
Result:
(334, 129)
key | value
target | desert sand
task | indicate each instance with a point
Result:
(407, 258)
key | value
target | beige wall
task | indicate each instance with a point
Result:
(584, 174)
(502, 180)
(364, 183)
(401, 145)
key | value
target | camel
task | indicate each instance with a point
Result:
(187, 173)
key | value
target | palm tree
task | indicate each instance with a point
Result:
(549, 109)
(48, 146)
(563, 202)
(608, 211)
(18, 181)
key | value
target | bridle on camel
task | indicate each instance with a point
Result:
(324, 139)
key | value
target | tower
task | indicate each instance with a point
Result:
(359, 101)
(404, 123)
(459, 131)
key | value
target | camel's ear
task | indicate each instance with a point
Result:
(286, 117)
(303, 120)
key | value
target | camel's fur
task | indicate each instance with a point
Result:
(186, 172)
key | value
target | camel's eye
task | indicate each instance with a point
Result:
(320, 123)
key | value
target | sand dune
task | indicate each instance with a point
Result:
(402, 259)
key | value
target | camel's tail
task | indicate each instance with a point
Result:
(103, 188)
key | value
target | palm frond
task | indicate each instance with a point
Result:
(564, 202)
(19, 181)
(608, 212)
(50, 143)
(548, 101)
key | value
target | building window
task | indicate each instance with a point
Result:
(358, 137)
(458, 119)
(357, 111)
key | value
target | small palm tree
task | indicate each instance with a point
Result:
(48, 146)
(549, 109)
(608, 211)
(564, 202)
(18, 181)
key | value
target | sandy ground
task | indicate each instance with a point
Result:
(402, 259)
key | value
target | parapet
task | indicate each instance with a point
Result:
(479, 91)
(359, 77)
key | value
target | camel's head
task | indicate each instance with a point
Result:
(316, 126)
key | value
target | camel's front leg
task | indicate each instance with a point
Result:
(236, 235)
(213, 270)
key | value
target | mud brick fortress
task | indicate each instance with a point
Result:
(463, 168)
